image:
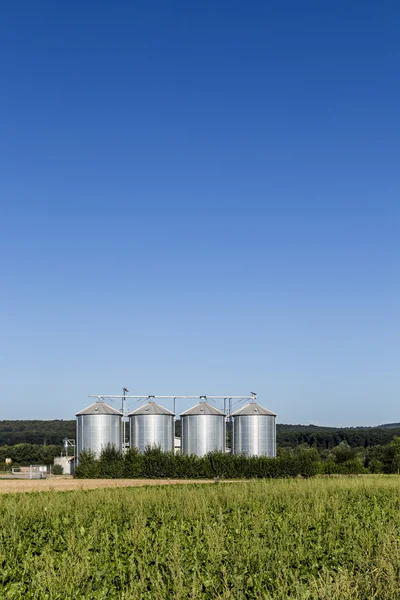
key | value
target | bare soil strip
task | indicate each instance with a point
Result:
(8, 486)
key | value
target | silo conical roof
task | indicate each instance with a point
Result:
(99, 408)
(252, 408)
(202, 408)
(151, 408)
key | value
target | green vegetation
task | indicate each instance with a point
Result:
(322, 539)
(156, 464)
(36, 432)
(324, 438)
(58, 470)
(27, 454)
(304, 461)
(53, 432)
(28, 442)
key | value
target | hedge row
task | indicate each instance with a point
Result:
(157, 464)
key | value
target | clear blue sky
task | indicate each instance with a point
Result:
(201, 198)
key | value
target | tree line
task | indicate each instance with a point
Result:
(325, 438)
(54, 432)
(290, 462)
(28, 454)
(36, 432)
(339, 459)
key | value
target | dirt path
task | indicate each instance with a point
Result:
(61, 484)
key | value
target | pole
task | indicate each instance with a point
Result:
(174, 422)
(124, 390)
(226, 429)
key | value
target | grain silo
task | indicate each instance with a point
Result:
(202, 429)
(152, 425)
(254, 431)
(98, 426)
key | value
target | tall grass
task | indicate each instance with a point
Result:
(273, 539)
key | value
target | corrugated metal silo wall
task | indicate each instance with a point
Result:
(202, 434)
(254, 435)
(95, 432)
(152, 430)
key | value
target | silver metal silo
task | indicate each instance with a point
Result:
(202, 429)
(254, 431)
(97, 426)
(152, 425)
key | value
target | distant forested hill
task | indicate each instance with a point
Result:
(328, 437)
(53, 432)
(36, 432)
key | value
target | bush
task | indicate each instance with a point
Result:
(350, 467)
(58, 470)
(133, 464)
(111, 463)
(88, 467)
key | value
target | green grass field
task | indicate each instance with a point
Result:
(327, 539)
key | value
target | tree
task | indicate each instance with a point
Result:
(376, 466)
(342, 453)
(88, 467)
(391, 458)
(111, 463)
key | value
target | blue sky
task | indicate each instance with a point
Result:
(201, 198)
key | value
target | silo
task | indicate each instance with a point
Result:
(152, 425)
(97, 426)
(202, 429)
(254, 431)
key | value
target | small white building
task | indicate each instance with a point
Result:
(177, 445)
(67, 463)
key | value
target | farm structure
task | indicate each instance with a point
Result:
(203, 427)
